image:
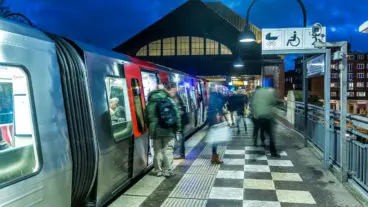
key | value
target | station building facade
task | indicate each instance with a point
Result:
(199, 38)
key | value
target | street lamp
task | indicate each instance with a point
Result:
(364, 27)
(248, 36)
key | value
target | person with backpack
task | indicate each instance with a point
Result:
(164, 123)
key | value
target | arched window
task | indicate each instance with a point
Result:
(225, 50)
(155, 48)
(212, 47)
(197, 46)
(168, 46)
(182, 46)
(142, 52)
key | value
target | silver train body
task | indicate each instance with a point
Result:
(64, 148)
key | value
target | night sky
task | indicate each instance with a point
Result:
(107, 23)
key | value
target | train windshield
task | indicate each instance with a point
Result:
(18, 153)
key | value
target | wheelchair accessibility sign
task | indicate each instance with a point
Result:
(292, 38)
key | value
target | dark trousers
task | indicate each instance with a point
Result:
(180, 146)
(214, 149)
(266, 125)
(256, 128)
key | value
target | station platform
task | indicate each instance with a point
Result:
(249, 177)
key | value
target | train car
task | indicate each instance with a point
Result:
(72, 122)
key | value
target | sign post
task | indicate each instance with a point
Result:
(284, 41)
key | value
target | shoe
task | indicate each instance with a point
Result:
(276, 155)
(216, 160)
(168, 174)
(179, 157)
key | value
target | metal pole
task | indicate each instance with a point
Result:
(305, 101)
(327, 77)
(343, 108)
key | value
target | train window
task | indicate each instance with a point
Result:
(138, 104)
(118, 107)
(18, 151)
(150, 82)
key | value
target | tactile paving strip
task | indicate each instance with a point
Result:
(170, 202)
(204, 169)
(196, 186)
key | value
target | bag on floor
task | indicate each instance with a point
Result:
(219, 134)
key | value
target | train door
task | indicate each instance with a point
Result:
(204, 99)
(150, 81)
(200, 101)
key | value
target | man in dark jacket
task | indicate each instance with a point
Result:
(163, 137)
(240, 101)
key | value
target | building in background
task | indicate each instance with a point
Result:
(357, 84)
(199, 38)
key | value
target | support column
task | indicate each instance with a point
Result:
(343, 102)
(327, 77)
(305, 101)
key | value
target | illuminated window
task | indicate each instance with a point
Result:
(212, 47)
(361, 94)
(155, 48)
(142, 51)
(197, 46)
(333, 94)
(360, 84)
(169, 46)
(183, 45)
(335, 85)
(225, 50)
(351, 86)
(360, 57)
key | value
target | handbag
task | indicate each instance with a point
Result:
(219, 133)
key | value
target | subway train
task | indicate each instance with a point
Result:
(63, 142)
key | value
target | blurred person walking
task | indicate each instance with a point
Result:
(263, 102)
(215, 116)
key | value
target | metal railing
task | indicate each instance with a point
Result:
(357, 137)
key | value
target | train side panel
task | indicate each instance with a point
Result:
(36, 169)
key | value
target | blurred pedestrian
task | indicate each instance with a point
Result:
(164, 122)
(215, 116)
(179, 148)
(263, 102)
(256, 125)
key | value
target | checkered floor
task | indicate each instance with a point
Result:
(249, 177)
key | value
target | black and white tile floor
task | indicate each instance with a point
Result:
(249, 177)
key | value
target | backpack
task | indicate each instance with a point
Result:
(166, 113)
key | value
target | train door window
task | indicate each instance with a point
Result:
(138, 104)
(184, 95)
(18, 147)
(150, 82)
(119, 108)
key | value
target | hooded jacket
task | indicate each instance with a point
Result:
(263, 101)
(153, 118)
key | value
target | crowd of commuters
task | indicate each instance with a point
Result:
(166, 117)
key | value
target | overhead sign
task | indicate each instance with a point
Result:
(292, 38)
(316, 66)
